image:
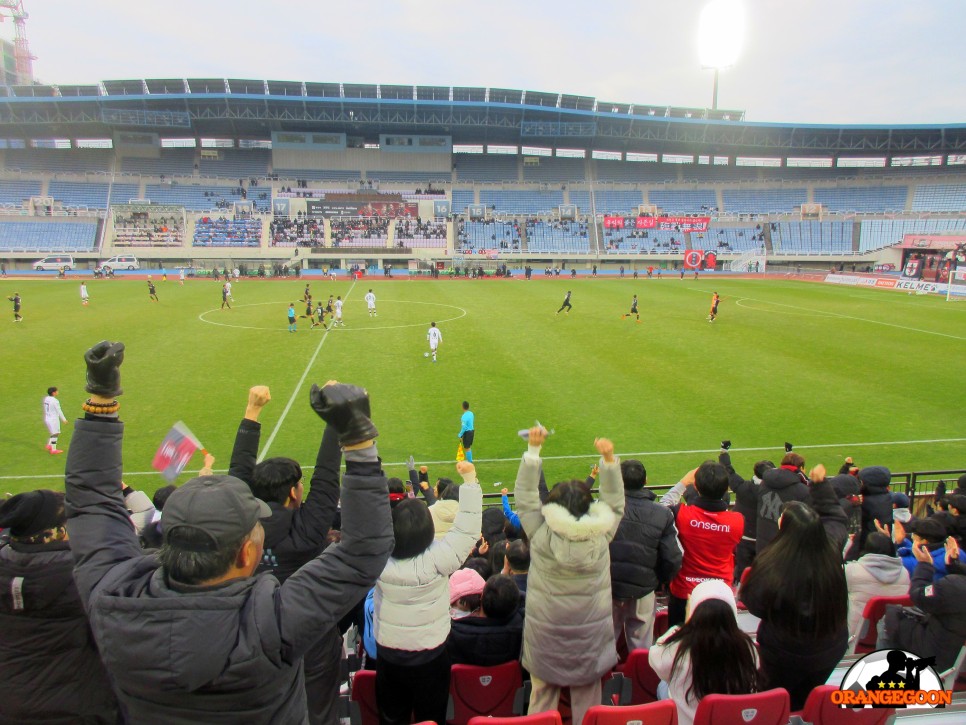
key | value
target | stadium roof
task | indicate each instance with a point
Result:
(246, 108)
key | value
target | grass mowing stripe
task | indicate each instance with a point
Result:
(584, 455)
(298, 386)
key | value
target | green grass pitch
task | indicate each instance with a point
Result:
(839, 371)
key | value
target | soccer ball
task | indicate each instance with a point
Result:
(425, 354)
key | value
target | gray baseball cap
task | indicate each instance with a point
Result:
(221, 507)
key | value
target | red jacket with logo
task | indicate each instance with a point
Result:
(709, 539)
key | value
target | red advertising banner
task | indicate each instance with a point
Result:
(693, 258)
(710, 260)
(664, 223)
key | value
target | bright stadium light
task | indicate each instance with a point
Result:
(721, 30)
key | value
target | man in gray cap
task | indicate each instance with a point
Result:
(191, 635)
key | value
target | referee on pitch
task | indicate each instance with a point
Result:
(466, 431)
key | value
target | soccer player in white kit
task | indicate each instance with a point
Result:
(435, 337)
(371, 303)
(83, 293)
(181, 276)
(53, 417)
(338, 312)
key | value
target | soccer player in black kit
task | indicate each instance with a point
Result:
(566, 304)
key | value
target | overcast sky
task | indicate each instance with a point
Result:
(820, 61)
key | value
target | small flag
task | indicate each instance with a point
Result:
(176, 450)
(460, 453)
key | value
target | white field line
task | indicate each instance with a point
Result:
(298, 387)
(640, 454)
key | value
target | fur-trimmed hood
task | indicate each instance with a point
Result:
(598, 520)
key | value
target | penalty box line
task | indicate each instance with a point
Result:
(641, 454)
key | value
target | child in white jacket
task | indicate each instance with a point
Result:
(411, 606)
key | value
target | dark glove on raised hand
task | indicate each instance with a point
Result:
(345, 408)
(788, 447)
(103, 374)
(725, 445)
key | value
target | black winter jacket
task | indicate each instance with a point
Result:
(293, 536)
(645, 551)
(484, 641)
(876, 504)
(223, 654)
(746, 497)
(942, 631)
(778, 486)
(51, 671)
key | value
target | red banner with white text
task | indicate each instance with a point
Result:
(664, 223)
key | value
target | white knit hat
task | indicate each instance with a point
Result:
(712, 589)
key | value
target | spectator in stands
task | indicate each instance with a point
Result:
(876, 500)
(517, 563)
(52, 672)
(708, 655)
(191, 634)
(941, 631)
(644, 554)
(568, 596)
(878, 572)
(295, 533)
(957, 508)
(707, 530)
(746, 504)
(929, 534)
(445, 506)
(411, 606)
(465, 593)
(779, 485)
(496, 635)
(797, 588)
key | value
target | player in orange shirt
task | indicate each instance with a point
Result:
(714, 307)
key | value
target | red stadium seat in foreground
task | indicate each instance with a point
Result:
(664, 712)
(644, 679)
(363, 699)
(819, 710)
(483, 691)
(762, 708)
(551, 717)
(875, 610)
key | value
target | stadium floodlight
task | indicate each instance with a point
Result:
(721, 30)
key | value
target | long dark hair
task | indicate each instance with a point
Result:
(722, 656)
(798, 581)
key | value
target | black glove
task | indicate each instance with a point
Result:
(103, 375)
(345, 408)
(788, 447)
(725, 445)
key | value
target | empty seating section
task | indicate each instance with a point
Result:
(634, 241)
(237, 163)
(522, 202)
(319, 174)
(17, 192)
(763, 201)
(413, 235)
(607, 202)
(462, 198)
(708, 172)
(177, 162)
(940, 197)
(223, 232)
(190, 196)
(568, 237)
(62, 161)
(558, 170)
(421, 176)
(633, 172)
(123, 193)
(477, 167)
(488, 235)
(878, 233)
(812, 237)
(75, 194)
(683, 201)
(862, 198)
(47, 236)
(728, 239)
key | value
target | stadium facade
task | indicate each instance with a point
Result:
(198, 172)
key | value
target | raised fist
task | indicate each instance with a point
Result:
(103, 375)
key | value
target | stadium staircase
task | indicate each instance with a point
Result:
(524, 240)
(856, 236)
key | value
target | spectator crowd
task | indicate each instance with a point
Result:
(236, 597)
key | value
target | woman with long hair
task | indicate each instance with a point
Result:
(797, 588)
(708, 654)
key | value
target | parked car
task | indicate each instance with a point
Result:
(123, 261)
(55, 262)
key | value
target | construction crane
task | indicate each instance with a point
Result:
(21, 54)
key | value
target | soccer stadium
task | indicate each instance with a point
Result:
(729, 351)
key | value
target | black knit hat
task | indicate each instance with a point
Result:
(27, 514)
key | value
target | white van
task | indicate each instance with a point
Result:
(123, 261)
(55, 262)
